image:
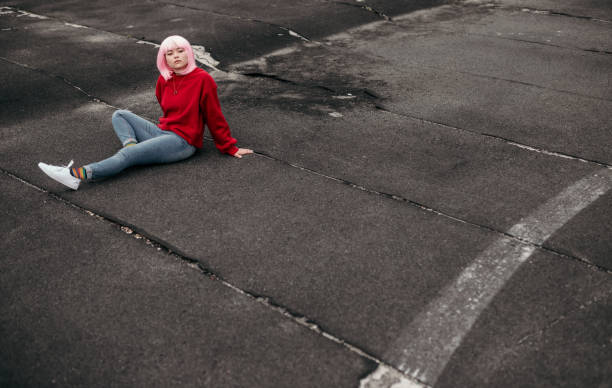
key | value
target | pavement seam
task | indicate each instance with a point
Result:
(493, 6)
(476, 75)
(355, 92)
(365, 6)
(429, 209)
(291, 32)
(549, 12)
(254, 20)
(61, 78)
(573, 48)
(162, 246)
(498, 138)
(529, 84)
(562, 317)
(513, 81)
(64, 22)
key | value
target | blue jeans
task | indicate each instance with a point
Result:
(154, 145)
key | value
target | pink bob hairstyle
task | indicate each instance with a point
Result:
(171, 43)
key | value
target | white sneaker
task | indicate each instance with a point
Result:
(61, 174)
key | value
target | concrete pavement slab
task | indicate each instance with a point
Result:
(48, 114)
(231, 31)
(339, 256)
(303, 20)
(478, 179)
(27, 93)
(228, 38)
(220, 22)
(534, 27)
(85, 304)
(505, 107)
(105, 65)
(357, 261)
(546, 328)
(550, 67)
(419, 40)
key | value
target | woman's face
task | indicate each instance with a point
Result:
(176, 58)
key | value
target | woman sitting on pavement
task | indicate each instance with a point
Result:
(188, 98)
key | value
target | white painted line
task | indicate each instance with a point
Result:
(541, 224)
(427, 344)
(147, 42)
(385, 377)
(296, 35)
(75, 25)
(20, 13)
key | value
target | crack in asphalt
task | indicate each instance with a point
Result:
(437, 212)
(564, 316)
(498, 138)
(596, 51)
(365, 6)
(161, 245)
(354, 92)
(254, 20)
(486, 76)
(499, 35)
(61, 78)
(550, 12)
(256, 74)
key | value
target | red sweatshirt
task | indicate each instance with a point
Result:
(195, 103)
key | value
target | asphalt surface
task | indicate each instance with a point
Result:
(416, 162)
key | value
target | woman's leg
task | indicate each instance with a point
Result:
(131, 128)
(165, 148)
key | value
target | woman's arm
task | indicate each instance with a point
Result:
(158, 88)
(219, 129)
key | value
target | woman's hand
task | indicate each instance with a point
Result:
(241, 152)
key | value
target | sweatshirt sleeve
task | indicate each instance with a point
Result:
(219, 129)
(158, 89)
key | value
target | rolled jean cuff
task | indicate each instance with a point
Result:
(129, 140)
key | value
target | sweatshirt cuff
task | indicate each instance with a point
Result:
(232, 151)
